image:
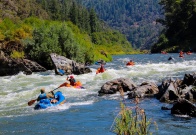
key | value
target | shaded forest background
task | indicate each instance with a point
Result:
(156, 25)
(179, 23)
(134, 18)
(35, 28)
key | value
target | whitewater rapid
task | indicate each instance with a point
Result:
(17, 90)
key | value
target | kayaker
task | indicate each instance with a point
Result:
(45, 95)
(181, 54)
(61, 71)
(59, 98)
(170, 58)
(72, 80)
(54, 101)
(72, 83)
(130, 63)
(100, 70)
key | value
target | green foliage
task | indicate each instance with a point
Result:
(112, 42)
(161, 44)
(57, 37)
(129, 123)
(16, 54)
(180, 15)
(7, 27)
(20, 9)
(14, 31)
(71, 38)
(2, 37)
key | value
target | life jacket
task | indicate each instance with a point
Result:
(100, 70)
(181, 55)
(72, 81)
(41, 96)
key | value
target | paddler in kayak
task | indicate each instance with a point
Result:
(101, 69)
(71, 80)
(181, 54)
(72, 83)
(130, 63)
(45, 95)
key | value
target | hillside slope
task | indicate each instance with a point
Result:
(134, 18)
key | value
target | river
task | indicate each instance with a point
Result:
(85, 113)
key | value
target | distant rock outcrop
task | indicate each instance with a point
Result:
(11, 66)
(65, 66)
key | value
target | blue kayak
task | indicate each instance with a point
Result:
(45, 103)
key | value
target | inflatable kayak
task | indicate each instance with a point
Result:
(130, 64)
(99, 70)
(45, 103)
(77, 85)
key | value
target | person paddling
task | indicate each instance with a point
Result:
(45, 95)
(72, 83)
(101, 69)
(181, 54)
(130, 63)
(71, 80)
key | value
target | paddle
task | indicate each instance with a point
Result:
(33, 101)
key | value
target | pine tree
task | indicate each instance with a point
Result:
(74, 14)
(93, 21)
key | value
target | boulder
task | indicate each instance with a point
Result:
(12, 66)
(168, 84)
(112, 86)
(184, 107)
(170, 94)
(146, 89)
(65, 66)
(172, 90)
(189, 79)
(190, 93)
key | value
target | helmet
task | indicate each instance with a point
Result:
(71, 76)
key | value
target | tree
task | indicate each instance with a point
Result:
(93, 21)
(74, 14)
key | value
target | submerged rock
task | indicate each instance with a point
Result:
(184, 107)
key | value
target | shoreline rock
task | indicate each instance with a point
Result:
(65, 66)
(11, 66)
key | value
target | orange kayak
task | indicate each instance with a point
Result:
(99, 70)
(130, 64)
(77, 85)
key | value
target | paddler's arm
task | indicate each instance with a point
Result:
(64, 84)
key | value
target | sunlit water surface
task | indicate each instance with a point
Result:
(85, 113)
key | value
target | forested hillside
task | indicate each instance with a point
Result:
(35, 28)
(180, 26)
(134, 18)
